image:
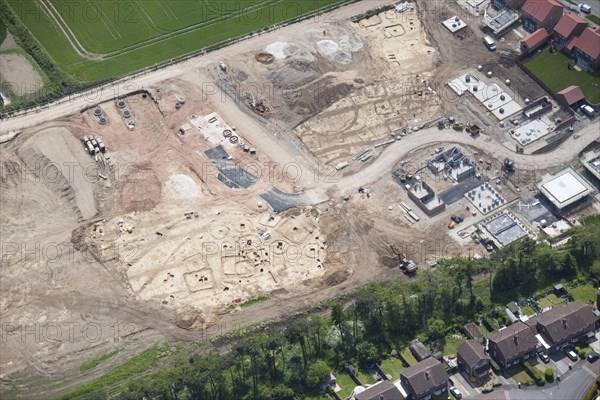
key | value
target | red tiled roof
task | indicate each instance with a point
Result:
(572, 94)
(589, 42)
(539, 9)
(535, 38)
(567, 24)
(570, 43)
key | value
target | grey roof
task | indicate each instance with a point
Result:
(562, 323)
(472, 352)
(516, 339)
(384, 388)
(419, 350)
(425, 375)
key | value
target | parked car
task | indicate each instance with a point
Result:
(585, 8)
(545, 358)
(571, 354)
(593, 356)
(457, 218)
(455, 392)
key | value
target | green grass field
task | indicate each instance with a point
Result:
(594, 19)
(345, 382)
(552, 69)
(585, 293)
(392, 366)
(408, 357)
(100, 39)
(528, 311)
(450, 345)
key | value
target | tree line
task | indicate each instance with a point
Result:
(288, 362)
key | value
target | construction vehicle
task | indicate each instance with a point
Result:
(509, 165)
(458, 126)
(451, 225)
(408, 266)
(473, 129)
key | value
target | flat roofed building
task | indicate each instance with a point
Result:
(591, 161)
(564, 188)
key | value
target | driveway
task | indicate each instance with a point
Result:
(572, 386)
(464, 386)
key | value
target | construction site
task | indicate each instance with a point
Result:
(293, 167)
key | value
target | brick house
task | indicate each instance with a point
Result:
(425, 379)
(512, 344)
(568, 27)
(533, 41)
(561, 326)
(382, 390)
(472, 359)
(536, 14)
(586, 49)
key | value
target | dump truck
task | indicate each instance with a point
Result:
(458, 126)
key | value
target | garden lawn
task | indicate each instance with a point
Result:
(450, 345)
(585, 293)
(552, 69)
(345, 382)
(408, 357)
(518, 373)
(365, 377)
(392, 366)
(528, 311)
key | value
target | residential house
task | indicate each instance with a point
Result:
(473, 360)
(586, 49)
(425, 379)
(571, 97)
(384, 390)
(534, 40)
(512, 344)
(560, 326)
(568, 27)
(536, 14)
(514, 4)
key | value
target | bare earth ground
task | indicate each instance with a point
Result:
(16, 70)
(93, 263)
(9, 42)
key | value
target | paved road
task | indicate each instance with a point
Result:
(594, 4)
(571, 387)
(75, 103)
(316, 190)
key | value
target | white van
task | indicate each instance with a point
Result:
(489, 43)
(585, 8)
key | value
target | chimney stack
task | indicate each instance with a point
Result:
(516, 339)
(564, 321)
(427, 374)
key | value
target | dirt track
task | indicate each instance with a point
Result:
(90, 279)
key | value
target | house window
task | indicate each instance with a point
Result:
(516, 361)
(437, 392)
(526, 356)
